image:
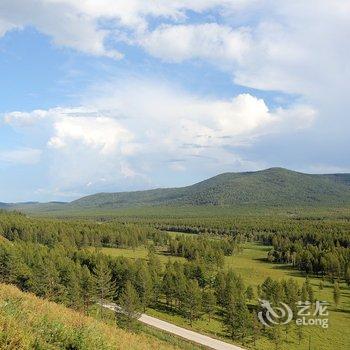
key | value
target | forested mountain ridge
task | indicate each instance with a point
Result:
(271, 187)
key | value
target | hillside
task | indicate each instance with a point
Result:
(27, 322)
(271, 187)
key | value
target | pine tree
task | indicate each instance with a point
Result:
(336, 294)
(46, 281)
(193, 301)
(143, 284)
(220, 288)
(238, 321)
(105, 287)
(310, 291)
(209, 302)
(88, 288)
(155, 269)
(303, 293)
(73, 288)
(130, 307)
(168, 283)
(266, 289)
(181, 289)
(291, 291)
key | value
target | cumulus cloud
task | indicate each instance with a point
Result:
(101, 133)
(129, 129)
(26, 156)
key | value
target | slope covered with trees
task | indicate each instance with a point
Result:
(61, 260)
(271, 187)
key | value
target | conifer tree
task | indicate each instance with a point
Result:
(88, 288)
(143, 283)
(155, 269)
(168, 283)
(238, 321)
(209, 302)
(105, 287)
(310, 293)
(130, 307)
(73, 287)
(304, 293)
(46, 281)
(193, 301)
(336, 294)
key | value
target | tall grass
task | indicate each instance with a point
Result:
(27, 322)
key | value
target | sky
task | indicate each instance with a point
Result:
(119, 95)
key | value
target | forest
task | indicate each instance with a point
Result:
(62, 261)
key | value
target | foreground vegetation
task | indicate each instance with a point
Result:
(27, 322)
(206, 274)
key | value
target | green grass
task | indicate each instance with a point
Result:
(253, 267)
(138, 253)
(28, 322)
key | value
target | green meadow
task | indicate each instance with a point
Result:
(252, 265)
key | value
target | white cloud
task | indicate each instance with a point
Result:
(85, 25)
(22, 119)
(26, 156)
(130, 129)
(100, 133)
(210, 41)
(151, 109)
(268, 45)
(65, 23)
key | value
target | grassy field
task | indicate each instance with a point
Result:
(138, 253)
(28, 322)
(253, 267)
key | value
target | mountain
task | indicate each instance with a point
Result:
(270, 187)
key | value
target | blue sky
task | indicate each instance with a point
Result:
(105, 95)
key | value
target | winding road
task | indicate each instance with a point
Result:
(184, 333)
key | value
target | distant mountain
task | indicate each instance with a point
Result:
(271, 187)
(33, 206)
